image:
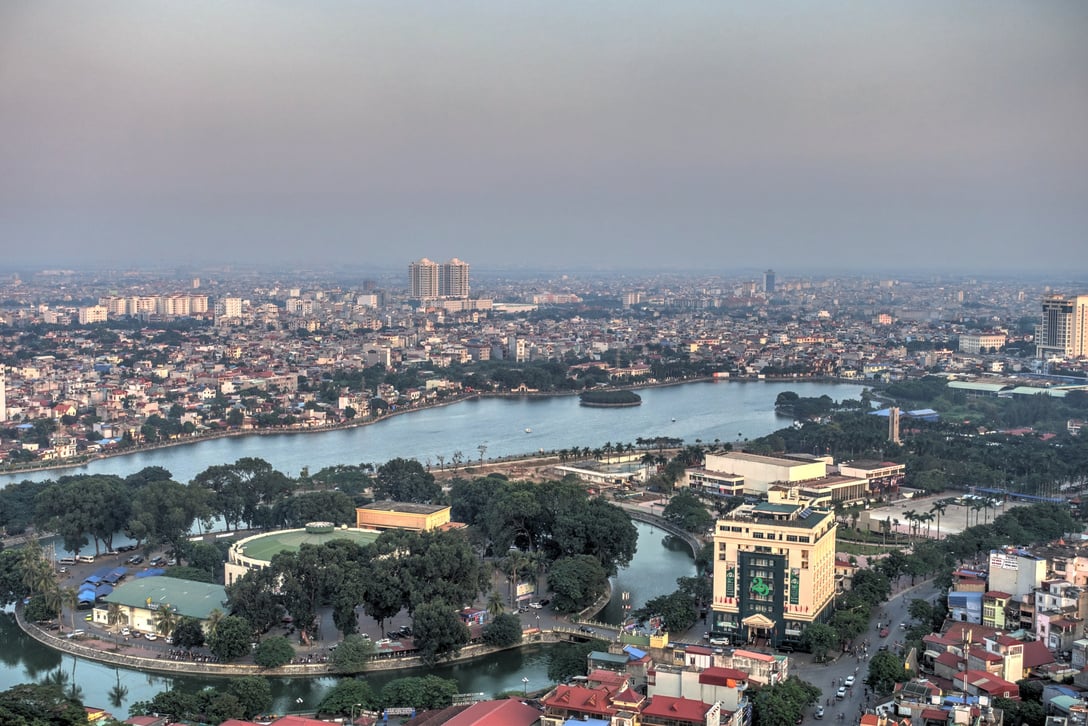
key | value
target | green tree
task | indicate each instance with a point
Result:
(348, 695)
(254, 693)
(273, 652)
(568, 660)
(676, 610)
(503, 630)
(32, 704)
(685, 510)
(437, 631)
(405, 480)
(188, 633)
(231, 639)
(784, 703)
(420, 692)
(885, 670)
(576, 582)
(352, 655)
(819, 639)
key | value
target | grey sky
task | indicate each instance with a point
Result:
(639, 134)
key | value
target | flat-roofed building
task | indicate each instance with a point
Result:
(976, 343)
(759, 471)
(774, 569)
(403, 515)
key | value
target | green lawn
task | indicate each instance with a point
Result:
(263, 548)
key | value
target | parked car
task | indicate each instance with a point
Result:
(152, 636)
(535, 605)
(135, 559)
(125, 631)
(157, 561)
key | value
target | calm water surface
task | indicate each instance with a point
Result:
(704, 411)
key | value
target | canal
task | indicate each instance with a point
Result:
(660, 559)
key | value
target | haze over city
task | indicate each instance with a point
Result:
(824, 136)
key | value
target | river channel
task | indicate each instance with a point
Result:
(660, 559)
(703, 411)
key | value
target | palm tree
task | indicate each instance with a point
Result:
(895, 522)
(116, 615)
(977, 506)
(494, 604)
(69, 597)
(214, 618)
(927, 518)
(939, 507)
(911, 516)
(166, 619)
(885, 527)
(53, 600)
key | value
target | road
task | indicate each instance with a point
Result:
(828, 677)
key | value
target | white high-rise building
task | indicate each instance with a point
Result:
(1063, 330)
(453, 279)
(423, 279)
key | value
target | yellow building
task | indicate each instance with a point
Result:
(403, 515)
(774, 570)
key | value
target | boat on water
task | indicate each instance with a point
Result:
(674, 420)
(528, 430)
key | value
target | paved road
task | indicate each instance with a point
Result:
(828, 677)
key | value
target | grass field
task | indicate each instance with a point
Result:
(263, 548)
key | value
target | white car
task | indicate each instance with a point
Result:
(849, 682)
(151, 636)
(126, 632)
(841, 693)
(535, 605)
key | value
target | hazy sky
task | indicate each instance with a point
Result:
(710, 135)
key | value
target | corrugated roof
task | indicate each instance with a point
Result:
(186, 597)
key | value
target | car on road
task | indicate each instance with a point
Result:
(62, 570)
(76, 634)
(125, 631)
(535, 605)
(157, 561)
(544, 601)
(819, 713)
(841, 693)
(883, 647)
(152, 636)
(883, 632)
(586, 629)
(849, 682)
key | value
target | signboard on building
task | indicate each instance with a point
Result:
(795, 586)
(730, 580)
(1000, 560)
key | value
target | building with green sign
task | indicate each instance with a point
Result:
(774, 570)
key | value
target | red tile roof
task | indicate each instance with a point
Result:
(508, 712)
(677, 709)
(581, 699)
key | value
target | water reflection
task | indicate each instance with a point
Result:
(659, 560)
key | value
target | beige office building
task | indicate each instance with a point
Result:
(1063, 330)
(774, 570)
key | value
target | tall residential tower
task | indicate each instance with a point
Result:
(428, 280)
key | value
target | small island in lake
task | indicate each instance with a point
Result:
(610, 399)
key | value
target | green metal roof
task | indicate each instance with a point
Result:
(186, 597)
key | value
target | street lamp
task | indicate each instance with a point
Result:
(525, 685)
(353, 707)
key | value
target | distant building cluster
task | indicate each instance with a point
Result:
(428, 280)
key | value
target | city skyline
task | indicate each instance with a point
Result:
(832, 138)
